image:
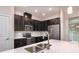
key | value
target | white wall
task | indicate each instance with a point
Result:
(9, 10)
(64, 25)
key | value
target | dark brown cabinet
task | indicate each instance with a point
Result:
(40, 39)
(54, 28)
(44, 26)
(20, 42)
(21, 21)
(40, 25)
(24, 41)
(27, 18)
(21, 24)
(54, 21)
(18, 23)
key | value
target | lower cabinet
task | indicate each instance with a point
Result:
(24, 41)
(30, 41)
(40, 39)
(20, 42)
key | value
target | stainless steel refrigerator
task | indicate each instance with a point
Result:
(54, 31)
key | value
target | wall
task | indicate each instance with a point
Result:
(64, 25)
(9, 10)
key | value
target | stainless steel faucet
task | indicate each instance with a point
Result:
(48, 45)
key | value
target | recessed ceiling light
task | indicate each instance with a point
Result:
(36, 10)
(43, 14)
(50, 9)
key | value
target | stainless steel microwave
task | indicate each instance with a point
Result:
(28, 28)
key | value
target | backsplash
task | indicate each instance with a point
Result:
(19, 34)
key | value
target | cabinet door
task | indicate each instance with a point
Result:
(20, 42)
(54, 21)
(18, 23)
(38, 25)
(38, 39)
(35, 26)
(33, 23)
(21, 24)
(42, 26)
(46, 26)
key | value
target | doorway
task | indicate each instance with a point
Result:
(5, 41)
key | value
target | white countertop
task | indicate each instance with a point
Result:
(57, 47)
(31, 36)
(19, 37)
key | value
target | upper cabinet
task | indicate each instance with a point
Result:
(18, 23)
(40, 25)
(45, 25)
(24, 23)
(27, 18)
(54, 21)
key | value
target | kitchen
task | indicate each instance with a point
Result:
(35, 29)
(30, 31)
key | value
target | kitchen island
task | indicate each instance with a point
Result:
(57, 46)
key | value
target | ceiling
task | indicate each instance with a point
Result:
(41, 10)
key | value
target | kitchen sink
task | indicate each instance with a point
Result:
(37, 48)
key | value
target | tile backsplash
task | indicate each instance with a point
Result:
(19, 34)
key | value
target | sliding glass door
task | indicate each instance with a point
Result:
(74, 29)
